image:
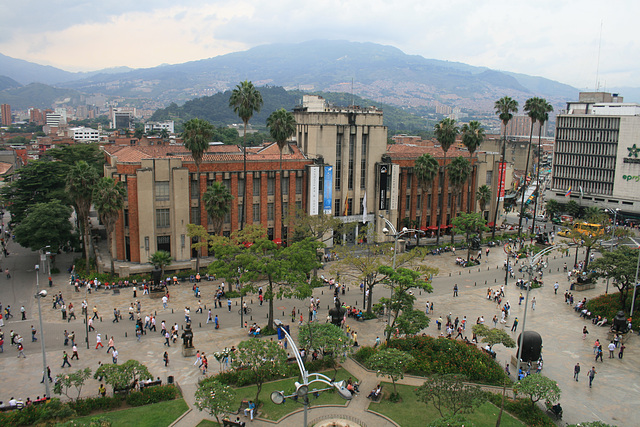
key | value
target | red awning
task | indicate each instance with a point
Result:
(491, 224)
(423, 228)
(277, 241)
(248, 244)
(432, 227)
(450, 225)
(443, 226)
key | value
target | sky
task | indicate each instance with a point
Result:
(581, 43)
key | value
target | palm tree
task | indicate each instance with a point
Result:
(217, 203)
(164, 134)
(459, 172)
(472, 138)
(161, 259)
(245, 100)
(532, 107)
(446, 132)
(81, 181)
(138, 133)
(282, 126)
(196, 136)
(543, 115)
(504, 107)
(108, 199)
(483, 195)
(426, 168)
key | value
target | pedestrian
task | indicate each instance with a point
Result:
(455, 290)
(595, 346)
(621, 352)
(114, 356)
(115, 316)
(612, 349)
(576, 371)
(65, 359)
(166, 338)
(591, 374)
(22, 310)
(215, 320)
(378, 341)
(165, 300)
(229, 304)
(95, 313)
(111, 346)
(33, 334)
(165, 358)
(90, 323)
(66, 337)
(74, 349)
(555, 288)
(533, 304)
(515, 325)
(98, 341)
(506, 369)
(46, 375)
(21, 351)
(209, 317)
(585, 332)
(102, 390)
(599, 353)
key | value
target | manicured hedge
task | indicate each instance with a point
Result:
(532, 416)
(608, 306)
(444, 356)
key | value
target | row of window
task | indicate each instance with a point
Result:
(593, 162)
(594, 122)
(597, 135)
(586, 174)
(588, 148)
(590, 187)
(351, 161)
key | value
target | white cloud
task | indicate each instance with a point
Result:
(555, 39)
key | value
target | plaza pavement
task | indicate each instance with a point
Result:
(612, 399)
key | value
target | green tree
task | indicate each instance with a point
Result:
(214, 397)
(108, 199)
(410, 322)
(217, 202)
(45, 224)
(402, 281)
(39, 181)
(282, 126)
(426, 168)
(619, 265)
(123, 375)
(138, 133)
(64, 383)
(320, 227)
(70, 154)
(505, 107)
(532, 107)
(553, 208)
(81, 181)
(161, 259)
(483, 195)
(245, 100)
(392, 363)
(594, 215)
(164, 134)
(544, 108)
(196, 136)
(538, 387)
(450, 394)
(199, 233)
(328, 338)
(264, 359)
(493, 336)
(472, 137)
(573, 208)
(467, 223)
(446, 132)
(459, 171)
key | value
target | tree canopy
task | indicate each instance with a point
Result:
(123, 375)
(392, 363)
(619, 265)
(263, 359)
(493, 336)
(46, 224)
(326, 337)
(538, 387)
(214, 397)
(450, 394)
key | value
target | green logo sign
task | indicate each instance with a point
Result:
(633, 151)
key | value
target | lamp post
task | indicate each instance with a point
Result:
(302, 389)
(41, 294)
(635, 285)
(396, 236)
(613, 234)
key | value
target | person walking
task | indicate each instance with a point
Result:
(33, 334)
(621, 352)
(165, 358)
(166, 339)
(599, 352)
(555, 288)
(95, 313)
(229, 304)
(533, 304)
(46, 375)
(576, 371)
(114, 356)
(455, 290)
(99, 341)
(65, 359)
(585, 332)
(612, 349)
(591, 374)
(111, 346)
(116, 316)
(90, 323)
(22, 310)
(74, 349)
(21, 351)
(209, 317)
(515, 325)
(215, 320)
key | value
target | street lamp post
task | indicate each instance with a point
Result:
(635, 285)
(396, 236)
(613, 234)
(41, 294)
(302, 389)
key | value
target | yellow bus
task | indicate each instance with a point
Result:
(584, 228)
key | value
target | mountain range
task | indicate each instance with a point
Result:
(381, 73)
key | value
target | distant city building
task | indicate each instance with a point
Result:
(596, 160)
(122, 117)
(56, 119)
(83, 134)
(158, 126)
(6, 114)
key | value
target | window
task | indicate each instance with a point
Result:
(489, 177)
(227, 183)
(240, 214)
(349, 206)
(352, 154)
(162, 191)
(419, 201)
(363, 161)
(163, 218)
(256, 187)
(227, 218)
(409, 179)
(284, 183)
(126, 217)
(299, 206)
(195, 215)
(270, 214)
(256, 212)
(429, 201)
(408, 202)
(285, 208)
(271, 186)
(298, 185)
(195, 190)
(241, 187)
(338, 169)
(164, 243)
(126, 191)
(361, 207)
(270, 233)
(336, 207)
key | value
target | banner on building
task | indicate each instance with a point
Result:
(382, 195)
(328, 189)
(502, 175)
(395, 183)
(314, 184)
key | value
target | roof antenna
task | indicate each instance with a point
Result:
(598, 65)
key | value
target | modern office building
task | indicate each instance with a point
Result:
(168, 125)
(83, 134)
(596, 158)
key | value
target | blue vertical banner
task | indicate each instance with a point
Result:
(328, 190)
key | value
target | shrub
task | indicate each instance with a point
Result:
(86, 406)
(521, 408)
(364, 353)
(152, 395)
(369, 316)
(608, 306)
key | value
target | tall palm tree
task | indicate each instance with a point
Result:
(532, 107)
(108, 199)
(217, 203)
(543, 115)
(426, 168)
(446, 132)
(245, 100)
(81, 180)
(483, 195)
(164, 134)
(459, 172)
(282, 126)
(472, 138)
(505, 107)
(196, 137)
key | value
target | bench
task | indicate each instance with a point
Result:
(125, 390)
(244, 405)
(228, 423)
(150, 384)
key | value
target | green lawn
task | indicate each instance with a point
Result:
(207, 423)
(155, 415)
(274, 412)
(413, 413)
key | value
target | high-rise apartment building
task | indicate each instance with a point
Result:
(6, 114)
